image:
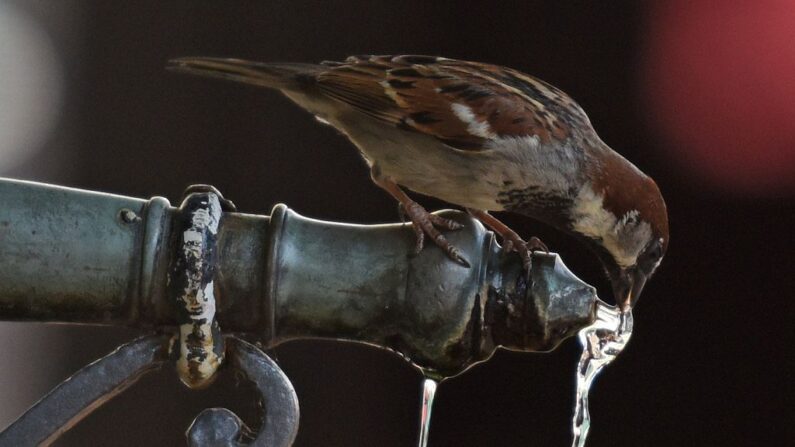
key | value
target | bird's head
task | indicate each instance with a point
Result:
(623, 216)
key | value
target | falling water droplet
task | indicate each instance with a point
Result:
(428, 393)
(601, 343)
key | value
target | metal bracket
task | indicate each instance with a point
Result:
(97, 383)
(76, 397)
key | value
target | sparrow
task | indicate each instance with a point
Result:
(484, 137)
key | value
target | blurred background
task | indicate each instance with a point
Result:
(699, 94)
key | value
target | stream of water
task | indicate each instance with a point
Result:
(601, 343)
(428, 393)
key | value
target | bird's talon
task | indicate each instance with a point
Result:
(507, 247)
(463, 261)
(453, 252)
(512, 242)
(527, 261)
(447, 224)
(535, 244)
(420, 238)
(425, 223)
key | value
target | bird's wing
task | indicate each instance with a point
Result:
(463, 104)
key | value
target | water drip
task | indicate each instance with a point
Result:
(601, 343)
(428, 393)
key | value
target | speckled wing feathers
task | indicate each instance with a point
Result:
(463, 104)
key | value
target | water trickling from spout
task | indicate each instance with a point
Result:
(601, 343)
(428, 393)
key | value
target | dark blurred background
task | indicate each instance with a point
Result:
(699, 94)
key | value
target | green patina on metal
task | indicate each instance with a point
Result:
(75, 256)
(65, 254)
(81, 257)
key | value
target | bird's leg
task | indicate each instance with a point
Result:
(401, 212)
(510, 240)
(423, 222)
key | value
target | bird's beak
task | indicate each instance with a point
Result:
(236, 70)
(628, 287)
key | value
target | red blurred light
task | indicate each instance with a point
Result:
(720, 77)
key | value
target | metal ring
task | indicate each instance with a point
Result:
(200, 347)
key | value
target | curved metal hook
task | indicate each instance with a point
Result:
(219, 427)
(76, 397)
(95, 384)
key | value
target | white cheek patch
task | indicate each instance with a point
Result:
(624, 238)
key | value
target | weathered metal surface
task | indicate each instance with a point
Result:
(192, 283)
(284, 277)
(361, 283)
(243, 243)
(150, 305)
(92, 386)
(97, 383)
(557, 305)
(79, 257)
(279, 422)
(67, 254)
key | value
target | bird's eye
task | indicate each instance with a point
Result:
(655, 250)
(652, 255)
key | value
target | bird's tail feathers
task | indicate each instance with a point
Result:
(282, 76)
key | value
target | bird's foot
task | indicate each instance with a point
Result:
(425, 223)
(512, 242)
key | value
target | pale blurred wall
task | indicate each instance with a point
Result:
(39, 52)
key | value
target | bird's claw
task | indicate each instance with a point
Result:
(425, 223)
(444, 223)
(535, 244)
(512, 242)
(436, 220)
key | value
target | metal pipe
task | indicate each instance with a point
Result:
(75, 256)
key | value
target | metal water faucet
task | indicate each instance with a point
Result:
(203, 270)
